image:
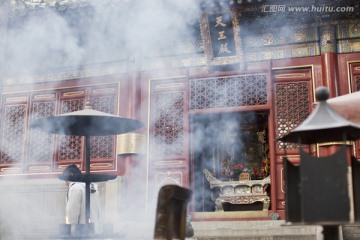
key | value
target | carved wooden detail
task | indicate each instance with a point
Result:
(357, 83)
(355, 86)
(167, 132)
(168, 114)
(41, 142)
(24, 149)
(292, 106)
(102, 147)
(242, 90)
(70, 147)
(221, 35)
(239, 192)
(13, 140)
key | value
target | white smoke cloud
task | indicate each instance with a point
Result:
(25, 212)
(40, 43)
(48, 40)
(114, 31)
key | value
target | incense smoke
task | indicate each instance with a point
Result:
(46, 40)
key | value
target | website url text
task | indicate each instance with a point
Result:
(284, 8)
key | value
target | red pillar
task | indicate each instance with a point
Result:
(330, 73)
(329, 63)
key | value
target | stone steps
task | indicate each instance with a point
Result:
(303, 237)
(226, 230)
(351, 232)
(254, 230)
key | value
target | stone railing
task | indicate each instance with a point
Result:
(239, 192)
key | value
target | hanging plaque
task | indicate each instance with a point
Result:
(220, 32)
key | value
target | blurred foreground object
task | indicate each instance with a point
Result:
(348, 106)
(171, 209)
(319, 184)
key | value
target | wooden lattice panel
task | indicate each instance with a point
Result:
(72, 105)
(70, 147)
(355, 77)
(244, 90)
(102, 147)
(30, 150)
(168, 114)
(292, 101)
(40, 141)
(13, 133)
(357, 83)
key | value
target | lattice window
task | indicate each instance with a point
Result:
(13, 133)
(70, 147)
(357, 88)
(104, 104)
(357, 82)
(169, 123)
(41, 142)
(103, 146)
(72, 105)
(245, 90)
(292, 101)
(31, 150)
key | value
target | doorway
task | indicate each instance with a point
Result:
(226, 144)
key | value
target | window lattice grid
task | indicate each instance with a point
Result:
(246, 90)
(72, 105)
(40, 141)
(291, 108)
(357, 82)
(13, 134)
(104, 104)
(103, 146)
(169, 123)
(70, 147)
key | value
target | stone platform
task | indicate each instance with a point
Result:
(254, 230)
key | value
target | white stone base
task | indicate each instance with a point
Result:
(260, 230)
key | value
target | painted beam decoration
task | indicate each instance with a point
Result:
(220, 32)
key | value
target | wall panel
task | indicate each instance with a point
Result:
(31, 151)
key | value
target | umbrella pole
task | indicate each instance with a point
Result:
(87, 183)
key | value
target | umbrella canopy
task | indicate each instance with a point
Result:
(87, 122)
(87, 178)
(324, 124)
(347, 106)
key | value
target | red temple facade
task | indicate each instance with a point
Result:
(220, 98)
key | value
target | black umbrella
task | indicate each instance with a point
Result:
(87, 122)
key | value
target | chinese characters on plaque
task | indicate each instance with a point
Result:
(220, 32)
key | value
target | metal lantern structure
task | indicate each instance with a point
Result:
(87, 123)
(317, 191)
(347, 106)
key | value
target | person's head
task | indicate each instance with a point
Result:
(70, 173)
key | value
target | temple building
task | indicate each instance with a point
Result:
(215, 82)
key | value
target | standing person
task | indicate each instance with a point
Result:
(75, 200)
